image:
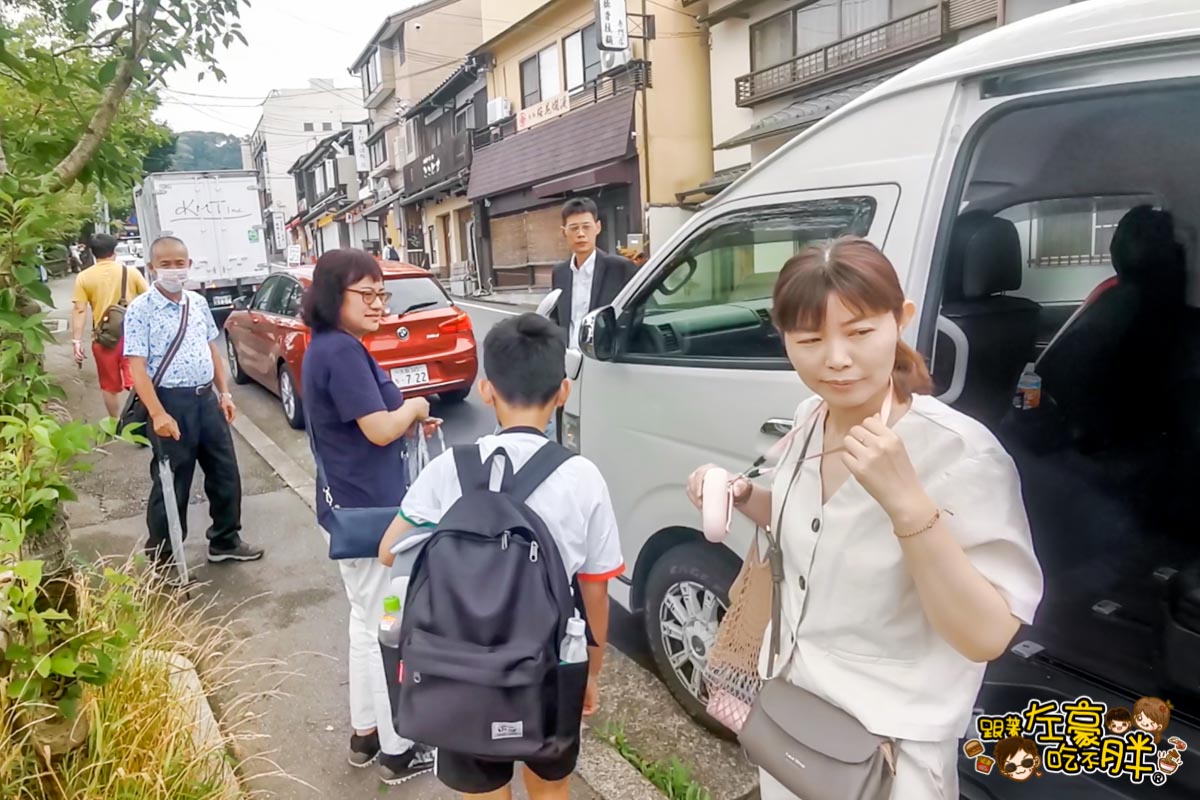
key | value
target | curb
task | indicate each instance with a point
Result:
(608, 774)
(286, 467)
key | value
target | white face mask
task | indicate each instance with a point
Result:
(172, 279)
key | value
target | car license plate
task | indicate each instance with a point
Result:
(410, 376)
(222, 300)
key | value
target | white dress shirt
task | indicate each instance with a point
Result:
(581, 294)
(853, 629)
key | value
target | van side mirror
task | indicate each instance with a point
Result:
(598, 334)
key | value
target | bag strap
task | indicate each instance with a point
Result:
(775, 553)
(173, 348)
(475, 472)
(540, 466)
(124, 277)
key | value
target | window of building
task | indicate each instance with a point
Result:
(815, 25)
(582, 57)
(326, 126)
(540, 78)
(378, 152)
(308, 127)
(410, 140)
(464, 119)
(372, 73)
(319, 181)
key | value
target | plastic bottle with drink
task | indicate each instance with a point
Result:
(574, 644)
(1029, 390)
(389, 623)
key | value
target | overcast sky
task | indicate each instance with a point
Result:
(290, 42)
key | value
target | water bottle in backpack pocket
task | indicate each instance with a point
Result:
(488, 608)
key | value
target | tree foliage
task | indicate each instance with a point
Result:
(202, 150)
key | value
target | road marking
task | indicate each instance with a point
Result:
(490, 308)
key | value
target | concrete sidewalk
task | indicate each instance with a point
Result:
(290, 608)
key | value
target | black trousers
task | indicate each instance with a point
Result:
(204, 439)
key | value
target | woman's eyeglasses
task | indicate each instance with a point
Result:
(369, 296)
(1009, 766)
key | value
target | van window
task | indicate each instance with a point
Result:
(1065, 244)
(714, 299)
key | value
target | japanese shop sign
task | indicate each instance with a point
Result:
(612, 25)
(545, 110)
(1076, 737)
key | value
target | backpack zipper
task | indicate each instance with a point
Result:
(504, 541)
(533, 551)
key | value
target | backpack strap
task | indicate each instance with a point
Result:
(538, 468)
(475, 473)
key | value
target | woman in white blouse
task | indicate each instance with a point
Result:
(908, 563)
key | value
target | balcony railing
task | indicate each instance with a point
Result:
(445, 161)
(887, 40)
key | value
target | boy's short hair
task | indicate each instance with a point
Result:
(526, 360)
(580, 205)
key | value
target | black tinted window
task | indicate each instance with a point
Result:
(415, 294)
(264, 296)
(290, 307)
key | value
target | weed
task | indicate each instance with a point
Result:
(672, 778)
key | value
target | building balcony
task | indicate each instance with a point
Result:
(445, 162)
(877, 44)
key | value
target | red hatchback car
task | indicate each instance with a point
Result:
(426, 343)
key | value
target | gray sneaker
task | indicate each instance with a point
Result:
(363, 750)
(242, 552)
(412, 763)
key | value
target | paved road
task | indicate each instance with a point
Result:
(464, 422)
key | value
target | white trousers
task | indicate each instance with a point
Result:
(924, 771)
(367, 582)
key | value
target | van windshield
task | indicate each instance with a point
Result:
(714, 301)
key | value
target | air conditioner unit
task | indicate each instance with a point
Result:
(611, 59)
(498, 109)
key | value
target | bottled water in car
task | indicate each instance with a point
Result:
(1029, 390)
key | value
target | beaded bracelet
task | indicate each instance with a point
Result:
(937, 517)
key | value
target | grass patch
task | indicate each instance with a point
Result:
(142, 742)
(673, 778)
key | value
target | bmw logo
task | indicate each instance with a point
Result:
(403, 334)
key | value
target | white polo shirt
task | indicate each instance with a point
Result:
(573, 502)
(853, 629)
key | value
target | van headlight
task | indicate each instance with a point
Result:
(570, 431)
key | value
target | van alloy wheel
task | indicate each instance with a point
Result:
(687, 618)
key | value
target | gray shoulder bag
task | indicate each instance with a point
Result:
(815, 749)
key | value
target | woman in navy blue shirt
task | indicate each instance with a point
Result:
(359, 418)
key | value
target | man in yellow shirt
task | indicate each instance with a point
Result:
(99, 287)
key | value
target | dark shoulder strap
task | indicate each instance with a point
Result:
(540, 466)
(472, 476)
(173, 348)
(124, 277)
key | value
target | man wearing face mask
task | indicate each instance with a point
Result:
(190, 410)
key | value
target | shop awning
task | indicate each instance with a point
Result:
(591, 136)
(382, 205)
(348, 210)
(447, 185)
(321, 208)
(802, 113)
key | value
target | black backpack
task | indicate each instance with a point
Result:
(487, 609)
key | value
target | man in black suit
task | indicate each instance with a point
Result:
(590, 278)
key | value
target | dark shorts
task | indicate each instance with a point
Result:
(472, 775)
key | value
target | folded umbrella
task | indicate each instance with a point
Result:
(174, 526)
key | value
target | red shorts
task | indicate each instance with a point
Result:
(112, 367)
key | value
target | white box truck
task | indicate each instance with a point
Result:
(217, 215)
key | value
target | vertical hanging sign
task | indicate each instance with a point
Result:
(612, 25)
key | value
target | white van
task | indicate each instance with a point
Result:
(993, 176)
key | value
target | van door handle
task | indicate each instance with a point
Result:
(777, 426)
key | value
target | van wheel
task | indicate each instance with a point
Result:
(235, 366)
(293, 409)
(687, 595)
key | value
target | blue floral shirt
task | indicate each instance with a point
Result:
(152, 321)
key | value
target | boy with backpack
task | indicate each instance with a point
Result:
(524, 539)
